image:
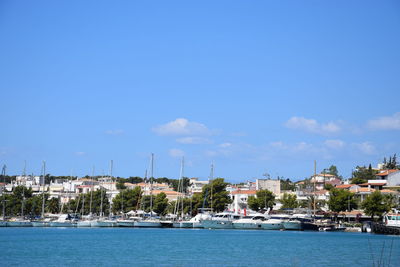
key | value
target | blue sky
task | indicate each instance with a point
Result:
(253, 86)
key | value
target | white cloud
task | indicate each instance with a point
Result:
(335, 144)
(311, 125)
(225, 145)
(385, 123)
(174, 152)
(366, 148)
(182, 126)
(115, 132)
(80, 153)
(193, 140)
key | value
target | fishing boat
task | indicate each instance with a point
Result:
(249, 222)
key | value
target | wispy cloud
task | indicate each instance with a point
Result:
(115, 132)
(385, 123)
(182, 126)
(312, 126)
(365, 147)
(193, 140)
(80, 153)
(334, 143)
(174, 152)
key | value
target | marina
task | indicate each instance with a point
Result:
(193, 247)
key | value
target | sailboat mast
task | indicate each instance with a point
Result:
(151, 183)
(182, 171)
(110, 202)
(44, 184)
(211, 180)
(315, 177)
(23, 191)
(91, 192)
(3, 173)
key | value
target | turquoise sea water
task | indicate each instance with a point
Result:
(192, 247)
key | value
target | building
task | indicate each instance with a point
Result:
(239, 200)
(196, 186)
(272, 185)
(391, 176)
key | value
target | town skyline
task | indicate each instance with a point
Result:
(255, 88)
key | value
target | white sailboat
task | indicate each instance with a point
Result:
(87, 221)
(21, 221)
(180, 222)
(149, 222)
(43, 222)
(3, 222)
(103, 221)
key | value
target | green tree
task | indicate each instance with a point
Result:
(160, 204)
(375, 204)
(341, 200)
(363, 174)
(264, 199)
(120, 185)
(215, 195)
(53, 205)
(289, 201)
(332, 170)
(287, 184)
(328, 187)
(127, 200)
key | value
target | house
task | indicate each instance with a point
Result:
(391, 176)
(196, 186)
(239, 199)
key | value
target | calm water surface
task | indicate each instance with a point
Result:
(190, 247)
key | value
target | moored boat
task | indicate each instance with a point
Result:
(19, 222)
(249, 222)
(64, 220)
(223, 220)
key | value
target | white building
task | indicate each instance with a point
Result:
(272, 185)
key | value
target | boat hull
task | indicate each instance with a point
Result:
(3, 224)
(272, 226)
(101, 223)
(126, 223)
(182, 225)
(19, 224)
(40, 224)
(62, 224)
(216, 224)
(247, 225)
(149, 224)
(84, 224)
(292, 225)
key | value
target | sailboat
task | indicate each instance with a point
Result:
(152, 222)
(21, 221)
(43, 222)
(64, 220)
(3, 222)
(87, 222)
(180, 223)
(103, 221)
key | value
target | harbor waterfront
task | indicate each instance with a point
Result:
(193, 247)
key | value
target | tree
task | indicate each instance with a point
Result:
(160, 204)
(287, 185)
(328, 187)
(392, 164)
(185, 184)
(375, 204)
(120, 185)
(333, 170)
(363, 174)
(289, 201)
(127, 200)
(264, 199)
(53, 205)
(341, 200)
(215, 195)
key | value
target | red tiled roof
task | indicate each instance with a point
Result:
(387, 172)
(367, 184)
(344, 186)
(244, 192)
